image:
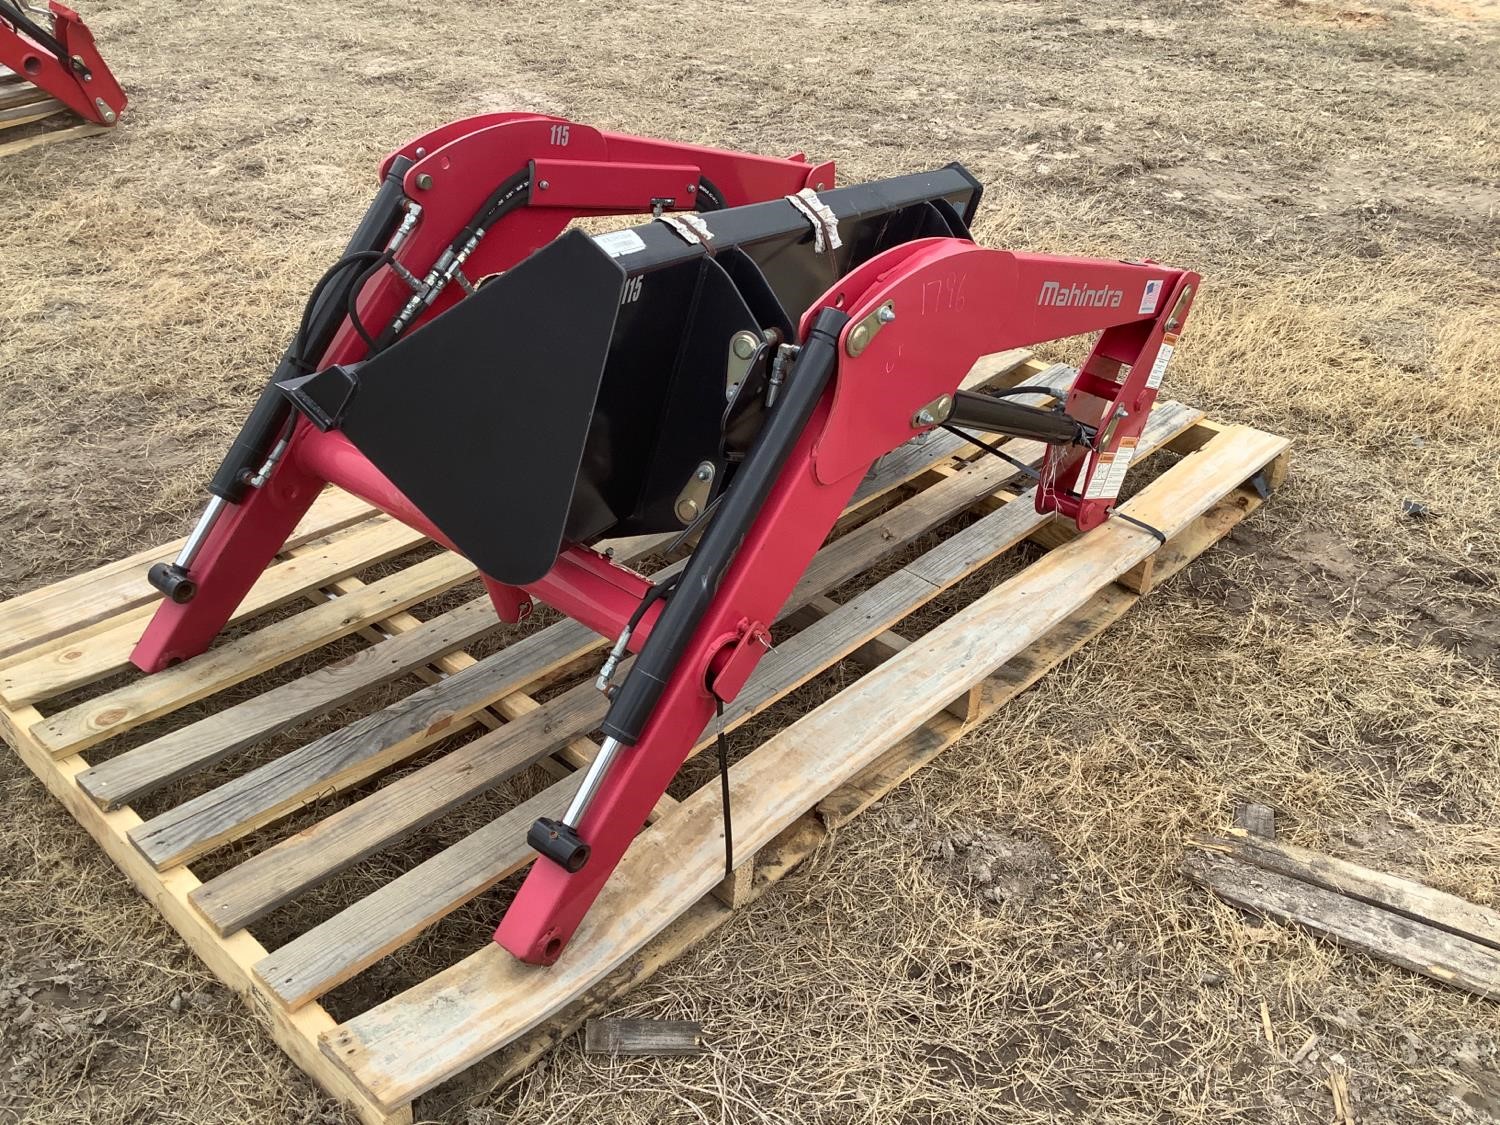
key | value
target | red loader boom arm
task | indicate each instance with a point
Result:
(734, 367)
(51, 48)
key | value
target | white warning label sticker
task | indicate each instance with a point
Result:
(1109, 472)
(618, 243)
(1150, 297)
(1159, 368)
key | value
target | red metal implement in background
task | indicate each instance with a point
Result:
(733, 368)
(52, 49)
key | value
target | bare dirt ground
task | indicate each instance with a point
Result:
(1006, 938)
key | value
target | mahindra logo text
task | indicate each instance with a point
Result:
(1079, 296)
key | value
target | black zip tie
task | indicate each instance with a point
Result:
(995, 449)
(1144, 526)
(724, 790)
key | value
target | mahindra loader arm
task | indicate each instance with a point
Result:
(731, 368)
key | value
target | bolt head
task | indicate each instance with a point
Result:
(543, 185)
(859, 338)
(885, 314)
(692, 189)
(705, 472)
(687, 510)
(925, 417)
(424, 181)
(744, 345)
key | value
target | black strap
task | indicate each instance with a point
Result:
(723, 744)
(995, 449)
(1160, 538)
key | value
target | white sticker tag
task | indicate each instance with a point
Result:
(1159, 368)
(1150, 297)
(1109, 474)
(618, 243)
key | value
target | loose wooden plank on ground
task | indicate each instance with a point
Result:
(1381, 933)
(1422, 904)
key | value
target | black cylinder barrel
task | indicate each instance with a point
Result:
(997, 416)
(269, 414)
(741, 504)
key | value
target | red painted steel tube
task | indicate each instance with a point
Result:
(584, 585)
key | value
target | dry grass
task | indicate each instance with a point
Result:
(1007, 937)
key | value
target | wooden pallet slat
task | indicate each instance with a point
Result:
(72, 663)
(216, 737)
(380, 923)
(30, 620)
(791, 791)
(22, 95)
(29, 112)
(26, 144)
(89, 723)
(277, 875)
(355, 751)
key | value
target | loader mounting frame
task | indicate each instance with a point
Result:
(878, 347)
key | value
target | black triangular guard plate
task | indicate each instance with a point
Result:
(480, 416)
(957, 228)
(691, 429)
(756, 291)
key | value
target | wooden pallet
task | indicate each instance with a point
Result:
(22, 104)
(66, 689)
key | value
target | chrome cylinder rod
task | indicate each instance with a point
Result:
(608, 750)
